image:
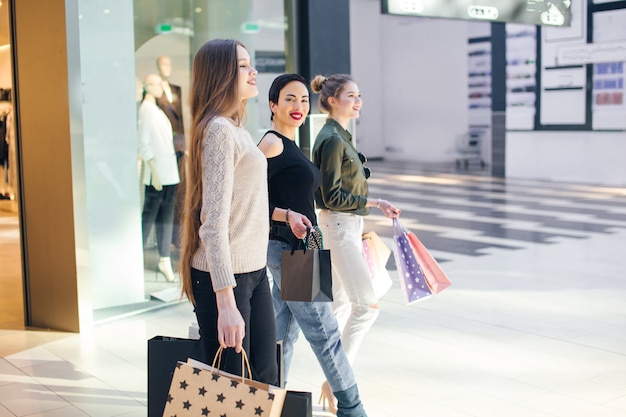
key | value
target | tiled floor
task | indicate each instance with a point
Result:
(533, 326)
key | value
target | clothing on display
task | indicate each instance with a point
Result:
(171, 104)
(8, 150)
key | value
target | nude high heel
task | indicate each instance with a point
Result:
(327, 395)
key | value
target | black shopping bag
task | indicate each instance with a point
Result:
(298, 404)
(306, 275)
(163, 354)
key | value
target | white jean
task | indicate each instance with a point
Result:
(353, 292)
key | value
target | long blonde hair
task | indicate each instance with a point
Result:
(213, 92)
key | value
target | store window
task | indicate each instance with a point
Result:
(11, 278)
(125, 47)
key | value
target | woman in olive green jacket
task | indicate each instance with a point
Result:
(343, 199)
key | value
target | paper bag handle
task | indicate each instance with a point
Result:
(397, 228)
(294, 247)
(245, 364)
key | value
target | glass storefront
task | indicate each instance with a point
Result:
(122, 43)
(112, 47)
(11, 299)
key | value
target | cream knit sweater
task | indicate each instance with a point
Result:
(234, 219)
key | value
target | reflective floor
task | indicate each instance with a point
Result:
(534, 324)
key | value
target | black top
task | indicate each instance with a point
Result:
(292, 181)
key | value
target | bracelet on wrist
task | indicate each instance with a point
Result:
(287, 216)
(378, 203)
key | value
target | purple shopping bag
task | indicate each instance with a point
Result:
(412, 280)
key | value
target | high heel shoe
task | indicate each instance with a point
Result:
(165, 266)
(327, 395)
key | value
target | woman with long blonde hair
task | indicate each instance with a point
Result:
(343, 199)
(226, 215)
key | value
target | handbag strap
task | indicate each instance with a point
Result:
(317, 237)
(294, 247)
(310, 237)
(398, 230)
(245, 363)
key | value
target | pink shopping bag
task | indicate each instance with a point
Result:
(436, 279)
(376, 254)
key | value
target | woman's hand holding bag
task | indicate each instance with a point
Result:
(307, 273)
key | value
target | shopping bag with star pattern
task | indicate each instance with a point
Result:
(412, 280)
(198, 389)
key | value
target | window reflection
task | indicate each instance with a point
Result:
(167, 34)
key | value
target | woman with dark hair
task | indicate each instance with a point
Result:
(293, 180)
(344, 199)
(225, 220)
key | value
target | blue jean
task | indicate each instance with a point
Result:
(254, 302)
(317, 322)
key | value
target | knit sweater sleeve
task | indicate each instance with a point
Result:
(218, 166)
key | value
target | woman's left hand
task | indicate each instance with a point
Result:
(388, 209)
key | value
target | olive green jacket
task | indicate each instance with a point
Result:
(344, 186)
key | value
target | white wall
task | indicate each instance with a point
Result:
(425, 91)
(413, 76)
(366, 68)
(586, 157)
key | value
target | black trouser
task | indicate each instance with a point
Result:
(158, 210)
(254, 301)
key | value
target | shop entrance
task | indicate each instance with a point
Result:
(11, 276)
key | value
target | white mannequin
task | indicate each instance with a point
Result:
(162, 165)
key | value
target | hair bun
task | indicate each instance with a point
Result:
(317, 82)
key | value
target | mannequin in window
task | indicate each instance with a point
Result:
(171, 104)
(160, 172)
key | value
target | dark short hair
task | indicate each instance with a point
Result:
(280, 82)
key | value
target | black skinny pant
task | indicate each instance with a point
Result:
(158, 210)
(254, 301)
